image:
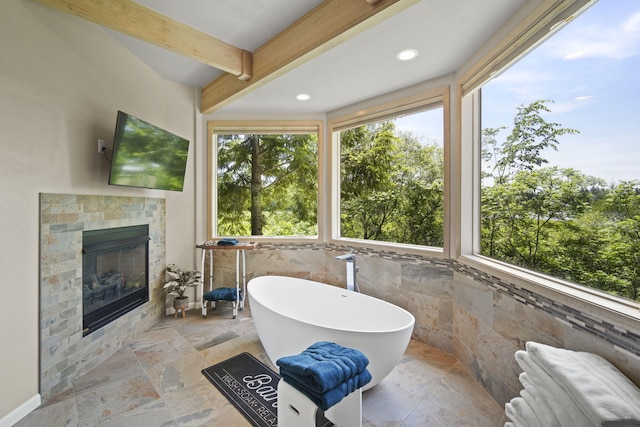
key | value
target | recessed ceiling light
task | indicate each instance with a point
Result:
(303, 97)
(406, 55)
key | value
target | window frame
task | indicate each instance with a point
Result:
(533, 28)
(418, 102)
(272, 127)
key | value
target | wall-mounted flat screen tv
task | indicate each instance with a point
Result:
(146, 156)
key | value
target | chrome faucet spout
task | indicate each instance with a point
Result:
(350, 258)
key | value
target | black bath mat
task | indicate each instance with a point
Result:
(239, 378)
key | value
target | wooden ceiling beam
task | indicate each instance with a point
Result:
(133, 19)
(324, 27)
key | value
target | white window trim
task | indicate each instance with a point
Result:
(265, 127)
(421, 101)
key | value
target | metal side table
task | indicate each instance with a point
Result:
(240, 253)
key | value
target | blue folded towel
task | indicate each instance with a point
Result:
(227, 242)
(222, 294)
(329, 398)
(323, 366)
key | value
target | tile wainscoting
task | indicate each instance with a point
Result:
(480, 319)
(494, 318)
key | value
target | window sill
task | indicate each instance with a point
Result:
(592, 300)
(278, 239)
(426, 251)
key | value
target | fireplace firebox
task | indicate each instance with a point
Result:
(115, 272)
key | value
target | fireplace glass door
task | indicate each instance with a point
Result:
(115, 274)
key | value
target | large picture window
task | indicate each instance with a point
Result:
(560, 191)
(266, 181)
(391, 176)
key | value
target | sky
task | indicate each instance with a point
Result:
(590, 69)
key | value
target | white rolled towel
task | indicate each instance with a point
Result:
(564, 408)
(605, 395)
(520, 413)
(541, 406)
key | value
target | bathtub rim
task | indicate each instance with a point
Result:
(409, 325)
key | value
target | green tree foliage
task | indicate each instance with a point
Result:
(267, 185)
(522, 149)
(368, 194)
(391, 186)
(554, 220)
(623, 204)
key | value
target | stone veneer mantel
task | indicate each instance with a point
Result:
(64, 353)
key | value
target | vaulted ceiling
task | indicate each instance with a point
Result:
(255, 56)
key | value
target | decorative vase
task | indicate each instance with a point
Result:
(180, 303)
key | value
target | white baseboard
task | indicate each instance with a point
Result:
(21, 411)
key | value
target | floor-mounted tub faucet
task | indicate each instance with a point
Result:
(350, 258)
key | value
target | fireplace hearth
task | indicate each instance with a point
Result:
(115, 271)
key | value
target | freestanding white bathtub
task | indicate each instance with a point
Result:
(291, 314)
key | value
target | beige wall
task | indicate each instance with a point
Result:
(62, 81)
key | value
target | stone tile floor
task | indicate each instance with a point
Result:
(156, 381)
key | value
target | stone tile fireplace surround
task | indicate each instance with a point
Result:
(64, 353)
